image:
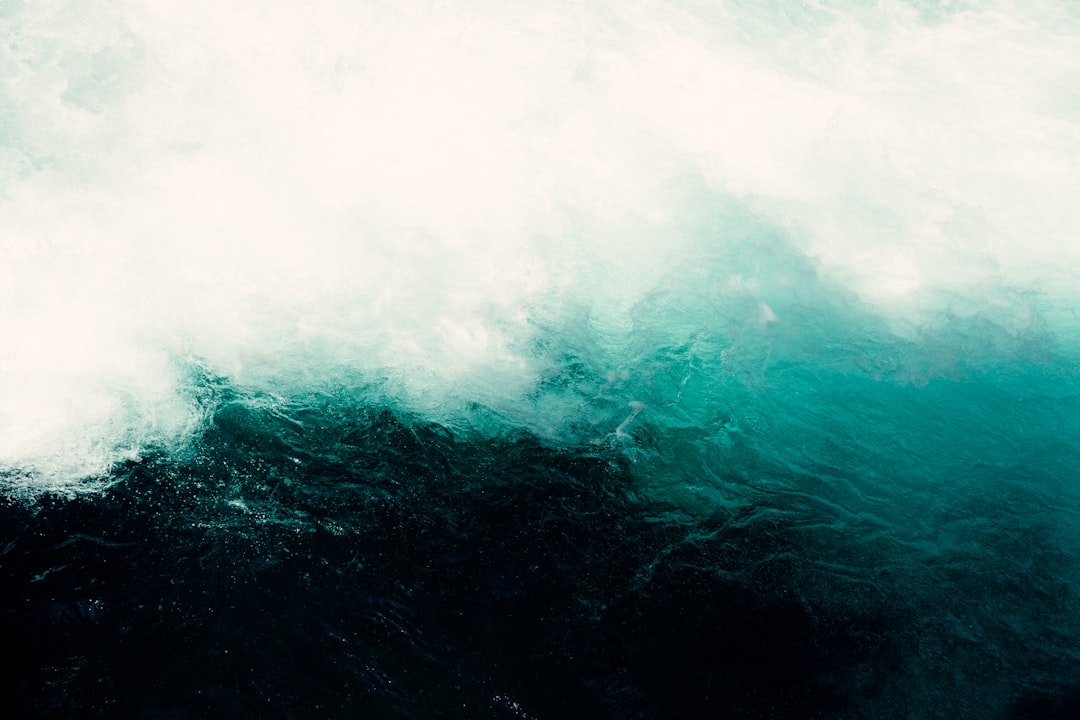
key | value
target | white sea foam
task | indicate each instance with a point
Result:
(416, 192)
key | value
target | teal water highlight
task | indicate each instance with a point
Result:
(803, 274)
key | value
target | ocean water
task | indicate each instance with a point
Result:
(628, 360)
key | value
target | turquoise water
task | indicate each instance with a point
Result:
(548, 360)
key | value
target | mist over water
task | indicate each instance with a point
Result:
(789, 290)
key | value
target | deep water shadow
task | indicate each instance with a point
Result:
(356, 566)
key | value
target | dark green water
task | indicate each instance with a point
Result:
(315, 558)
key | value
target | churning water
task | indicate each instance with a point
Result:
(540, 359)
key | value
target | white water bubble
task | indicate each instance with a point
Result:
(432, 196)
